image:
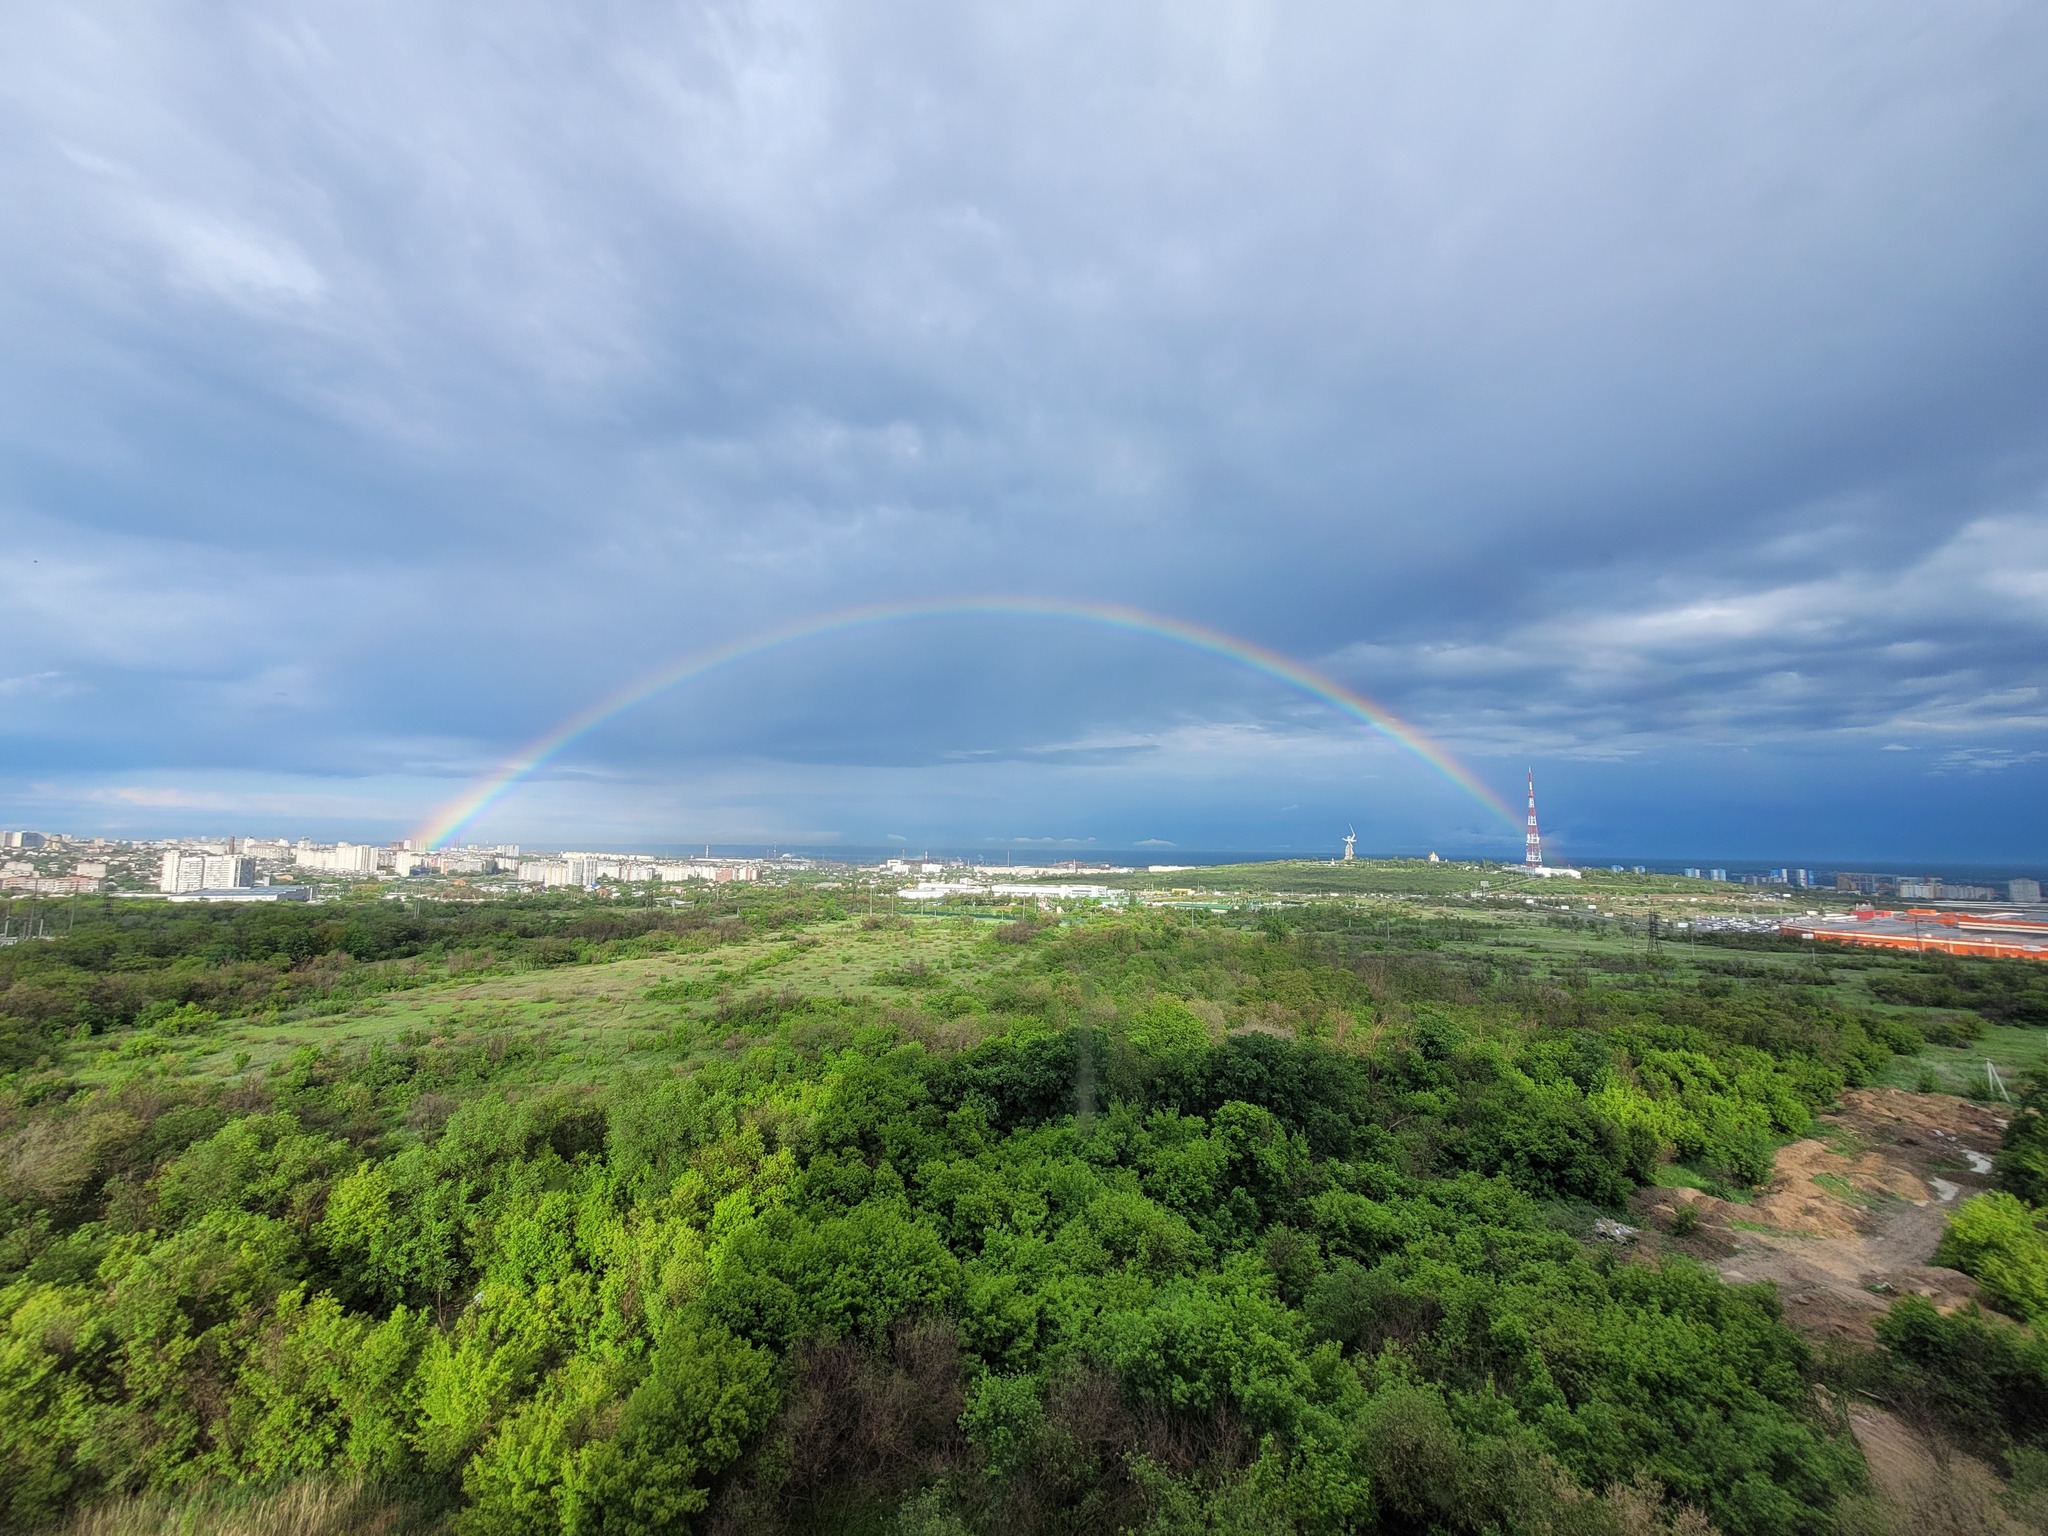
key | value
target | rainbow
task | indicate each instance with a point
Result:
(458, 813)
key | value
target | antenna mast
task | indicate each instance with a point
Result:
(1532, 844)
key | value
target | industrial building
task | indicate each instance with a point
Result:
(1924, 930)
(249, 893)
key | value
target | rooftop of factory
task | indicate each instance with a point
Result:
(2003, 935)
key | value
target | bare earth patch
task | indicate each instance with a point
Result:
(1852, 1215)
(1850, 1221)
(1932, 1490)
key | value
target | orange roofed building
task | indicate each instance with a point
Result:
(1923, 929)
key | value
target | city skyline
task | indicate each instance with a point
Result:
(402, 857)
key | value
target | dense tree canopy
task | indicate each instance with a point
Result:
(1207, 1227)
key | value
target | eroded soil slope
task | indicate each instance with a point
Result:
(1853, 1214)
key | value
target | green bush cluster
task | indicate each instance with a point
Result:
(1981, 1378)
(2004, 991)
(178, 969)
(2001, 1238)
(1216, 1229)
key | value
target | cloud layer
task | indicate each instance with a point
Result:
(1660, 399)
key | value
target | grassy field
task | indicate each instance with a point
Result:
(578, 1022)
(2012, 1048)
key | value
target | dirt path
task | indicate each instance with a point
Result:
(1853, 1214)
(1850, 1221)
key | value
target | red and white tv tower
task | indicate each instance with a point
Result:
(1532, 843)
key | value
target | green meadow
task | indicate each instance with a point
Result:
(750, 1211)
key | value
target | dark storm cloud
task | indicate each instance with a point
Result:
(1945, 643)
(384, 384)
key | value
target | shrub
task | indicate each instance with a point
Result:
(706, 1395)
(1985, 1380)
(2003, 1245)
(2023, 1160)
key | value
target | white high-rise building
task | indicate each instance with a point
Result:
(547, 872)
(182, 871)
(186, 870)
(227, 872)
(341, 859)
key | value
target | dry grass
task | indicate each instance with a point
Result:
(1922, 1485)
(310, 1508)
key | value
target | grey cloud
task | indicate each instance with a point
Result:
(37, 685)
(1580, 381)
(1984, 760)
(1948, 643)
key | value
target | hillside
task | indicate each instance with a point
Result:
(754, 1214)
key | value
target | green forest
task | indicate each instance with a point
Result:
(760, 1214)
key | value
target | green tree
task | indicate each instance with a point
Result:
(705, 1396)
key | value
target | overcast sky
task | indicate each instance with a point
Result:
(1654, 396)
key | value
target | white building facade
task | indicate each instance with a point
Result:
(187, 870)
(355, 859)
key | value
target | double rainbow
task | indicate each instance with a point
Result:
(458, 813)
